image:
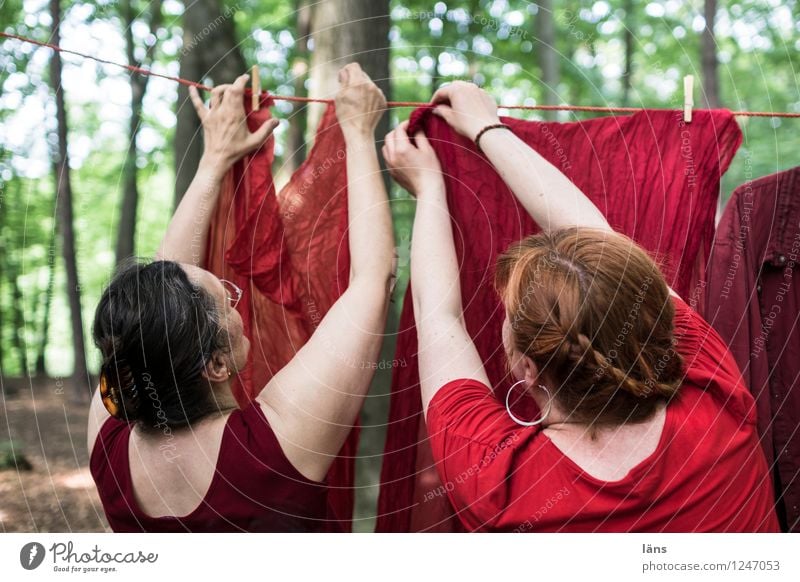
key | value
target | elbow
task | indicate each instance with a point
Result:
(382, 273)
(376, 282)
(430, 309)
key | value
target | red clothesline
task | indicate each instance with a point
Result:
(187, 82)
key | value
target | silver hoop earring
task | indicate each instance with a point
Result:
(525, 422)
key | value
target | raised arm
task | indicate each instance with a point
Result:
(548, 195)
(226, 139)
(446, 351)
(314, 400)
(551, 198)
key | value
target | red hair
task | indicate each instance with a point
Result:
(592, 310)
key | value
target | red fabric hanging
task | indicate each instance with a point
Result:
(289, 254)
(654, 177)
(753, 301)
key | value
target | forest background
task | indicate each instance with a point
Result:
(93, 159)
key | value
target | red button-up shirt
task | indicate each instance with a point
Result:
(753, 300)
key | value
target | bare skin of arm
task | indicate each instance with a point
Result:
(226, 140)
(314, 400)
(446, 351)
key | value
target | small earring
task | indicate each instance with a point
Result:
(525, 422)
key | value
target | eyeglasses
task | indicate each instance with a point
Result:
(232, 292)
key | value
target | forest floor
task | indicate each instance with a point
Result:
(40, 424)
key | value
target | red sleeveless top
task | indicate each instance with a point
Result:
(707, 474)
(254, 488)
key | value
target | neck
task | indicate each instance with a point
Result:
(556, 415)
(223, 396)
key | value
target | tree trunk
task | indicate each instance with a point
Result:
(18, 319)
(126, 229)
(40, 366)
(2, 311)
(347, 31)
(548, 58)
(296, 143)
(709, 57)
(209, 51)
(11, 272)
(2, 302)
(65, 217)
(628, 39)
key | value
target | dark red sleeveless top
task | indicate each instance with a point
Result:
(254, 489)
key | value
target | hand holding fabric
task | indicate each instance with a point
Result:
(465, 107)
(225, 132)
(359, 102)
(415, 167)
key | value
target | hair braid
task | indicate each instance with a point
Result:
(593, 312)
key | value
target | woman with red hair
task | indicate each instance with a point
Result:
(644, 423)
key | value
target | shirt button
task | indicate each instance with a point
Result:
(781, 259)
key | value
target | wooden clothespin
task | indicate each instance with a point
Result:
(255, 84)
(688, 98)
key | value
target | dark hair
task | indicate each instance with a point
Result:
(156, 331)
(593, 312)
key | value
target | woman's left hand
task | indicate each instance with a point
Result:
(225, 132)
(415, 167)
(360, 103)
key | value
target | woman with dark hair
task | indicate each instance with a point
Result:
(645, 424)
(170, 450)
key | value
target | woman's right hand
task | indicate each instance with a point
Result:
(225, 132)
(414, 167)
(359, 102)
(465, 107)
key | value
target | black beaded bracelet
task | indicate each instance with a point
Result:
(484, 130)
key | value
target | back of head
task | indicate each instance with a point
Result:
(156, 331)
(592, 311)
